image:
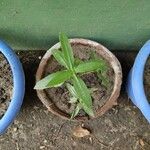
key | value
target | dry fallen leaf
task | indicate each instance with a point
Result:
(80, 132)
(141, 142)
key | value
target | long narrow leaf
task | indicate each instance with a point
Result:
(54, 79)
(72, 91)
(89, 66)
(83, 94)
(76, 111)
(67, 50)
(58, 55)
(73, 100)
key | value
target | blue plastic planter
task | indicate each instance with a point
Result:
(135, 87)
(18, 87)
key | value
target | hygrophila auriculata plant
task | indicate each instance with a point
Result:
(70, 76)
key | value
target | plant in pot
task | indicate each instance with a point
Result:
(78, 79)
(12, 86)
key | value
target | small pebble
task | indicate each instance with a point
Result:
(15, 129)
(45, 141)
(90, 138)
(42, 147)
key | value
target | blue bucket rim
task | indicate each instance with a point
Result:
(135, 86)
(18, 86)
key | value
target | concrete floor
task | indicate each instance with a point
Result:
(121, 128)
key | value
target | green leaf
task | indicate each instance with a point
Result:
(105, 82)
(67, 50)
(93, 55)
(89, 66)
(93, 90)
(54, 79)
(72, 91)
(58, 55)
(76, 111)
(102, 75)
(77, 61)
(83, 94)
(73, 100)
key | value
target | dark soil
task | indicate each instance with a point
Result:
(121, 128)
(6, 85)
(60, 96)
(147, 79)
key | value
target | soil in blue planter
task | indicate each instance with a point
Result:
(147, 79)
(6, 85)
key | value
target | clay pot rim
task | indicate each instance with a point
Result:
(106, 54)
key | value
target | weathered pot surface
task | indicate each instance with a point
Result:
(107, 55)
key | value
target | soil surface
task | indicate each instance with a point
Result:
(6, 84)
(147, 79)
(121, 128)
(60, 96)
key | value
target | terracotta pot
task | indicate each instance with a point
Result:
(102, 51)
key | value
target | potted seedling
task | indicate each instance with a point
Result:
(78, 79)
(12, 86)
